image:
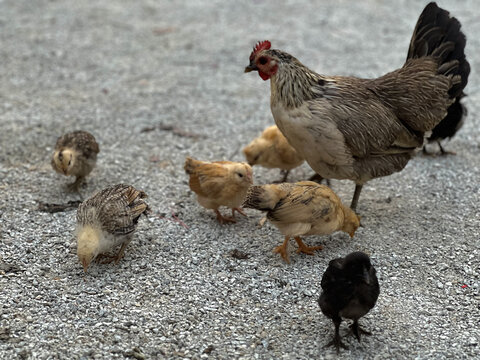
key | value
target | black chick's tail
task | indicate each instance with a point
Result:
(439, 35)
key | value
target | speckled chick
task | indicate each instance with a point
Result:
(75, 155)
(107, 220)
(219, 183)
(302, 208)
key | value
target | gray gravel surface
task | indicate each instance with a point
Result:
(156, 81)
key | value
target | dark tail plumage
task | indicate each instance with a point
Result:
(438, 35)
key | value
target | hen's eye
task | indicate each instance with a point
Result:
(263, 60)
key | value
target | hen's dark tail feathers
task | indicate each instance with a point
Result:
(437, 34)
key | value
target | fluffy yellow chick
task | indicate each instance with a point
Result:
(107, 220)
(302, 208)
(75, 155)
(219, 183)
(272, 150)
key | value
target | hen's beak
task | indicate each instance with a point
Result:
(251, 67)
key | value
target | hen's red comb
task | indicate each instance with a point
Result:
(261, 45)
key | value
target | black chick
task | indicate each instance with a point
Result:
(350, 290)
(449, 126)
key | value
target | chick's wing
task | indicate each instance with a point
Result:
(307, 202)
(209, 179)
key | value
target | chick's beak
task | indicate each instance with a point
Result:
(251, 67)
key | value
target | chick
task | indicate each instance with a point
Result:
(107, 220)
(272, 150)
(350, 290)
(219, 183)
(302, 208)
(75, 155)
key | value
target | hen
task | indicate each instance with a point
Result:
(360, 129)
(75, 155)
(350, 290)
(106, 220)
(302, 208)
(219, 183)
(272, 150)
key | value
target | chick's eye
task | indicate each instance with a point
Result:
(263, 60)
(69, 162)
(239, 174)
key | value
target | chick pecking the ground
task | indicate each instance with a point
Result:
(219, 183)
(75, 155)
(350, 290)
(302, 208)
(361, 129)
(107, 220)
(272, 150)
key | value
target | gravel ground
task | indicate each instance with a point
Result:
(156, 81)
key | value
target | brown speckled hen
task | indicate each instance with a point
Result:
(360, 129)
(75, 155)
(107, 220)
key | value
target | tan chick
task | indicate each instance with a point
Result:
(272, 150)
(107, 220)
(75, 155)
(219, 183)
(302, 208)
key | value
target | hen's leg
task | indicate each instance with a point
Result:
(337, 342)
(302, 248)
(282, 250)
(443, 151)
(356, 196)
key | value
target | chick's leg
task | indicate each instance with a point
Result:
(302, 248)
(356, 330)
(239, 210)
(121, 252)
(337, 342)
(282, 250)
(76, 184)
(223, 220)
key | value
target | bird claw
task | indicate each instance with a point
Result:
(356, 330)
(337, 342)
(283, 252)
(240, 211)
(309, 250)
